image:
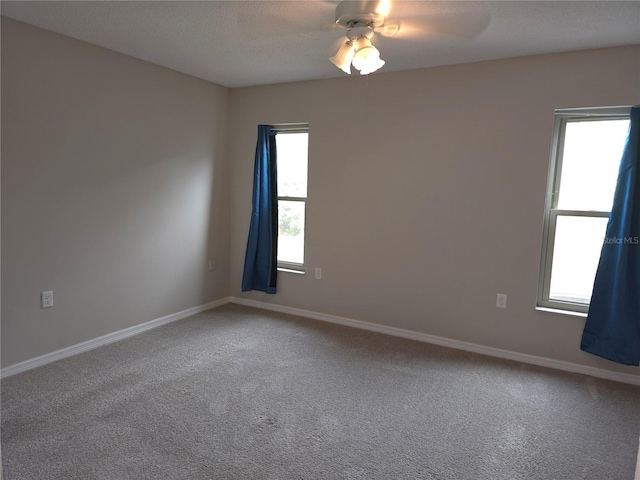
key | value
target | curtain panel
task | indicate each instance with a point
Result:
(612, 329)
(260, 264)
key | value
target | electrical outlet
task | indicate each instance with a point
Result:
(212, 264)
(46, 299)
(318, 274)
(501, 301)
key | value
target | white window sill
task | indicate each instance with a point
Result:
(571, 313)
(288, 270)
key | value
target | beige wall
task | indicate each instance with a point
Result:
(425, 198)
(114, 191)
(426, 193)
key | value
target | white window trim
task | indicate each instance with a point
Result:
(292, 267)
(551, 213)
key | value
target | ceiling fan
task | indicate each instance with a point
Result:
(363, 19)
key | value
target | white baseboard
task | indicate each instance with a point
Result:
(447, 342)
(397, 332)
(106, 339)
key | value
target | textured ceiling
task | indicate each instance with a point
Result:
(240, 43)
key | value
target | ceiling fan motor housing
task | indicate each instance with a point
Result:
(359, 14)
(356, 32)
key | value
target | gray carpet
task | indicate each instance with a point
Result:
(238, 393)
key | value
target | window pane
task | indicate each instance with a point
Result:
(292, 164)
(576, 253)
(591, 157)
(291, 231)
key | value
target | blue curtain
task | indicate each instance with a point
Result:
(260, 263)
(612, 329)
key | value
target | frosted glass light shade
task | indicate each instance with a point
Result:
(343, 58)
(367, 57)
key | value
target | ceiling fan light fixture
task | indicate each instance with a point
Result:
(367, 57)
(360, 19)
(343, 58)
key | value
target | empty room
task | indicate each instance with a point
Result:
(320, 240)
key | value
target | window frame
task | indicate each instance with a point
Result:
(551, 213)
(285, 128)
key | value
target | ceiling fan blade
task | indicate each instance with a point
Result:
(382, 7)
(330, 27)
(388, 29)
(466, 25)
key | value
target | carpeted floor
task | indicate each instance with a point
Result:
(239, 393)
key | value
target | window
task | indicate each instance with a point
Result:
(585, 156)
(292, 144)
